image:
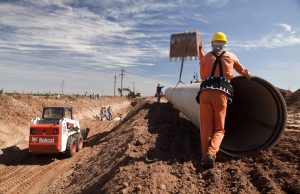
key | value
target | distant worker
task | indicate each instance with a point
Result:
(216, 71)
(195, 78)
(109, 113)
(159, 91)
(103, 113)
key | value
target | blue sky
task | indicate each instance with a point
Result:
(84, 43)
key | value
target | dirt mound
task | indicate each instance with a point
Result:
(285, 93)
(294, 99)
(156, 150)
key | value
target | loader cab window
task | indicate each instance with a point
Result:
(53, 113)
(68, 113)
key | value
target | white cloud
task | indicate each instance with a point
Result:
(286, 27)
(199, 17)
(83, 32)
(78, 31)
(217, 2)
(284, 38)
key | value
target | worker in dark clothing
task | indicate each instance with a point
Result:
(159, 91)
(109, 113)
(103, 113)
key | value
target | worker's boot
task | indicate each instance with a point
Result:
(209, 161)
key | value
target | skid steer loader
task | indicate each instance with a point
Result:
(56, 132)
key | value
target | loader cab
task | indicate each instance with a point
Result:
(57, 112)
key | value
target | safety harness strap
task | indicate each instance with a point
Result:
(218, 61)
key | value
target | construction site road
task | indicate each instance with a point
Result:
(154, 149)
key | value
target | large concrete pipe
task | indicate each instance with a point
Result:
(255, 120)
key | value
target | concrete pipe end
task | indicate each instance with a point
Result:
(256, 118)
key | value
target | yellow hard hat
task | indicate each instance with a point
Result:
(219, 36)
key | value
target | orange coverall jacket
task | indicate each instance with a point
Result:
(229, 62)
(213, 103)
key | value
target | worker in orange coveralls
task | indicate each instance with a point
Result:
(216, 71)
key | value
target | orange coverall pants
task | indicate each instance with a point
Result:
(213, 105)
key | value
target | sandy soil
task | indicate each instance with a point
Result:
(154, 149)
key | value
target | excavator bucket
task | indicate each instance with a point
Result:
(184, 44)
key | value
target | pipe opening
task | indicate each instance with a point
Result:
(256, 118)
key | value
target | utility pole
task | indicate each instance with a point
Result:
(122, 75)
(62, 87)
(133, 87)
(115, 77)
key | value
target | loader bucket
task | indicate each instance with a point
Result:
(84, 133)
(184, 45)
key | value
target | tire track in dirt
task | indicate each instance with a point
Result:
(6, 171)
(7, 175)
(36, 175)
(25, 174)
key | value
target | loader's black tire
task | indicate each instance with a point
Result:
(79, 142)
(71, 146)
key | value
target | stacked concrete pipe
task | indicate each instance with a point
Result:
(255, 120)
